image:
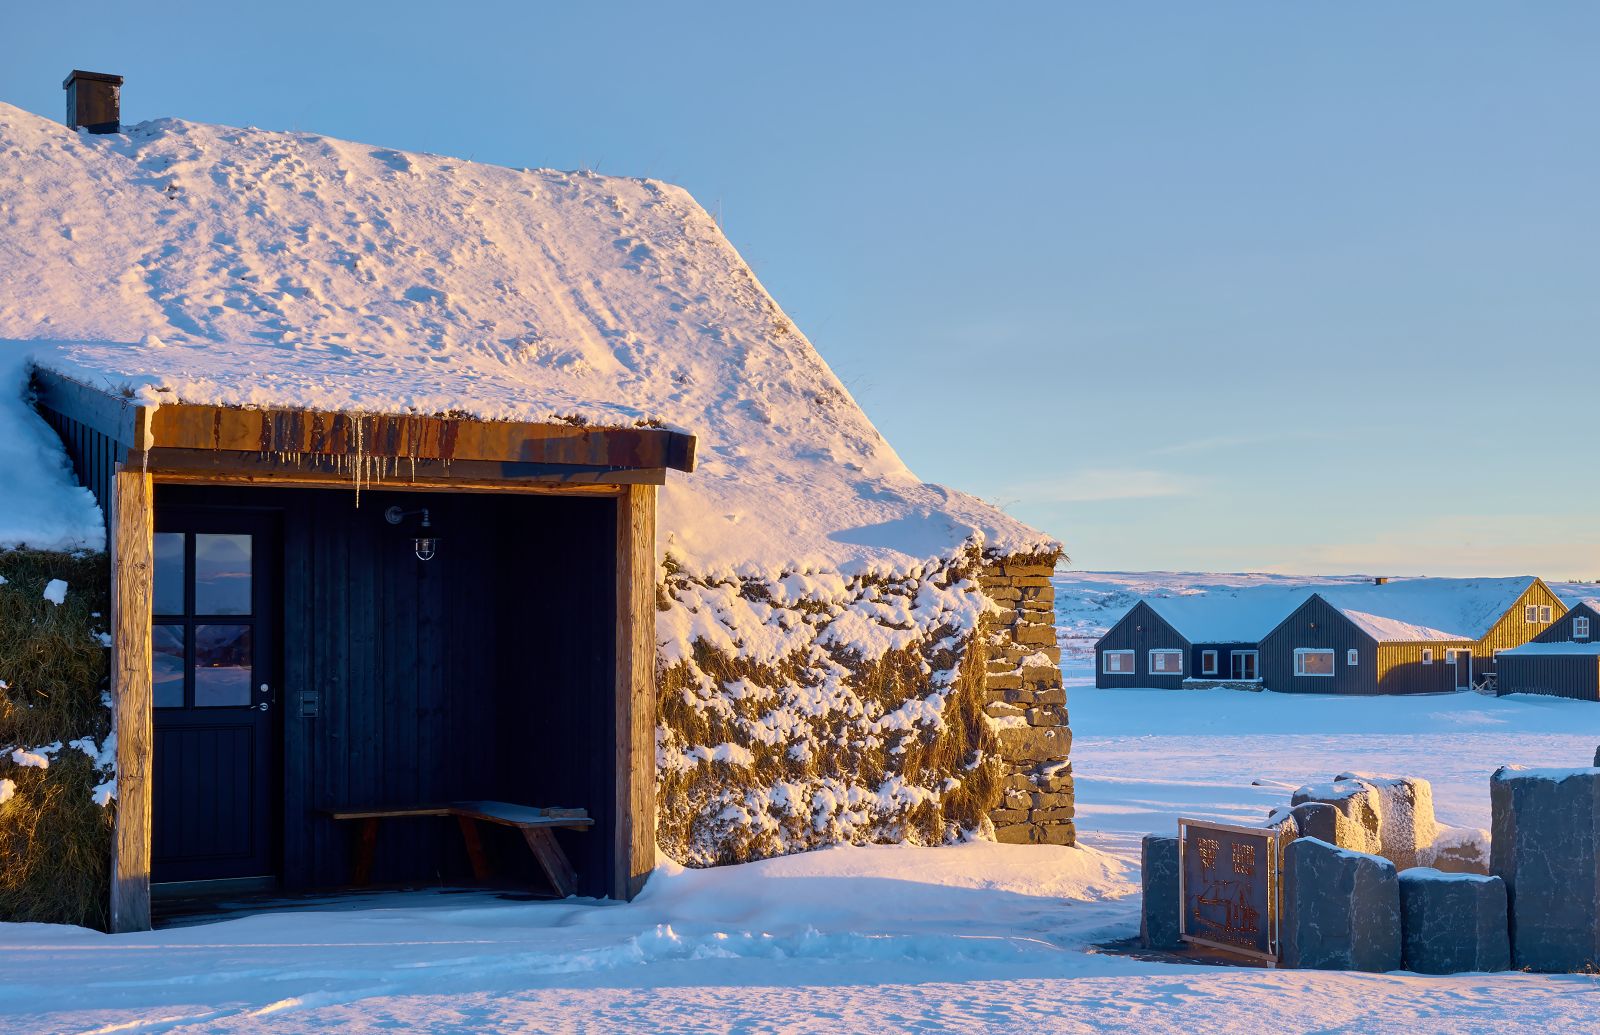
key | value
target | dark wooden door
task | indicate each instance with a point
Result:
(214, 661)
(1463, 660)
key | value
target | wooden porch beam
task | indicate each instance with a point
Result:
(132, 570)
(635, 820)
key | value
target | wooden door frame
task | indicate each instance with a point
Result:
(131, 547)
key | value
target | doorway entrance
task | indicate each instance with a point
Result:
(1462, 659)
(214, 667)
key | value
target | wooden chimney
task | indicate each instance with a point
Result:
(94, 101)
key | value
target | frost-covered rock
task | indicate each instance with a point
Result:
(1453, 922)
(1457, 850)
(1546, 847)
(1159, 908)
(1406, 823)
(1341, 909)
(1358, 822)
(1390, 816)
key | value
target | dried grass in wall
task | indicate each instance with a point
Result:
(55, 842)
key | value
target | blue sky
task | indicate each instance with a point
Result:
(1193, 286)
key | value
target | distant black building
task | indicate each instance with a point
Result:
(1562, 661)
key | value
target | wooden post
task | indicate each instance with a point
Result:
(132, 569)
(635, 825)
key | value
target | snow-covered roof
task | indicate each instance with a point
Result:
(190, 263)
(1427, 608)
(1229, 616)
(1590, 647)
(41, 503)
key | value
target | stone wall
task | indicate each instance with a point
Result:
(1026, 703)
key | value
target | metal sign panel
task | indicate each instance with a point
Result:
(1229, 887)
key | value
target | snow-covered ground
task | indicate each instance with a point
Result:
(977, 936)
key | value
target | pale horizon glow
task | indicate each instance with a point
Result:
(1232, 287)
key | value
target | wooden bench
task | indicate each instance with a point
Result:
(534, 823)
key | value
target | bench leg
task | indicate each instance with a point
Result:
(366, 847)
(469, 834)
(554, 861)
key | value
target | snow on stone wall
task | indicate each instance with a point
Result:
(811, 708)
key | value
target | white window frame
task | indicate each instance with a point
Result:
(1105, 662)
(1208, 662)
(1238, 657)
(1300, 654)
(1530, 614)
(1166, 650)
(1427, 655)
(1580, 627)
(1352, 657)
(1545, 614)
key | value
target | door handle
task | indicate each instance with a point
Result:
(263, 706)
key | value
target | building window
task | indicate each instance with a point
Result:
(1309, 661)
(1427, 655)
(1208, 662)
(1166, 662)
(1530, 614)
(1352, 657)
(1580, 627)
(1118, 662)
(1544, 612)
(1244, 664)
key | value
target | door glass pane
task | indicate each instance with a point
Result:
(166, 657)
(221, 665)
(169, 573)
(221, 574)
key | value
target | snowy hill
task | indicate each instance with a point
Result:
(192, 263)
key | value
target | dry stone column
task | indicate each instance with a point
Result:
(1026, 702)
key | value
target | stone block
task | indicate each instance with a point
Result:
(1320, 820)
(1064, 834)
(1014, 834)
(1053, 815)
(1357, 804)
(1546, 847)
(1158, 879)
(1002, 710)
(1036, 634)
(1406, 824)
(1341, 909)
(1004, 816)
(1052, 695)
(1458, 850)
(1003, 681)
(1452, 922)
(1046, 715)
(1038, 743)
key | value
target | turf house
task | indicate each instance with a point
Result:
(339, 482)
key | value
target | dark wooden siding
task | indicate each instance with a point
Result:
(1557, 675)
(94, 456)
(1513, 629)
(1316, 624)
(483, 673)
(1225, 652)
(1401, 671)
(1560, 631)
(1141, 630)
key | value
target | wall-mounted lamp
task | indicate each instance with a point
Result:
(425, 545)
